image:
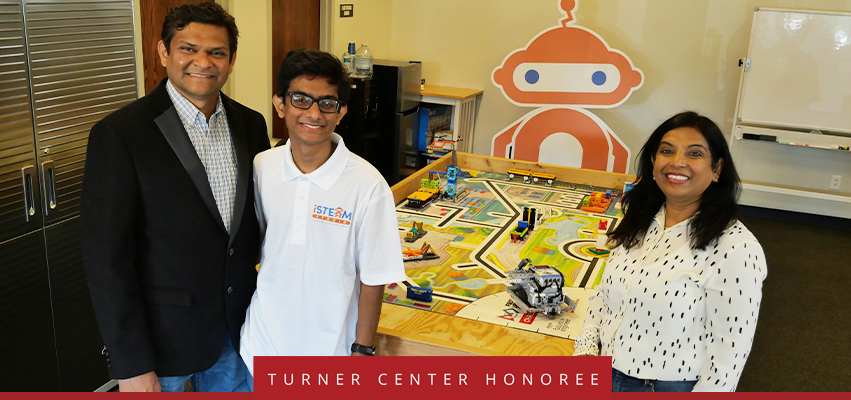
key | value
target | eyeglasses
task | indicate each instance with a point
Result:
(304, 102)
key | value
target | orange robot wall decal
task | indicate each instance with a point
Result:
(563, 71)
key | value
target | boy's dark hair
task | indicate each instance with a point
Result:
(204, 13)
(718, 208)
(314, 64)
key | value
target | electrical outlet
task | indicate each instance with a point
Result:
(835, 181)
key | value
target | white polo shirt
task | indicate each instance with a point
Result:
(325, 233)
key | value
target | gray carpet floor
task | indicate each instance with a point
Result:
(803, 337)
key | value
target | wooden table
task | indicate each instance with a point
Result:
(408, 331)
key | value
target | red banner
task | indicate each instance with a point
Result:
(323, 377)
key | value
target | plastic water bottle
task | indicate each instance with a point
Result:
(363, 62)
(347, 58)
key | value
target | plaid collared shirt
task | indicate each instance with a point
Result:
(212, 142)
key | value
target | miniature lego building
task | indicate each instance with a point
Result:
(424, 253)
(428, 191)
(420, 293)
(441, 147)
(416, 232)
(429, 183)
(451, 192)
(596, 202)
(520, 233)
(530, 215)
(525, 225)
(420, 198)
(451, 181)
(602, 238)
(537, 288)
(519, 172)
(549, 178)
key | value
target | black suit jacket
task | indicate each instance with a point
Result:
(167, 281)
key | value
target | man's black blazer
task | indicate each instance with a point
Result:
(167, 281)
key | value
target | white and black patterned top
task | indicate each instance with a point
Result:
(212, 142)
(664, 311)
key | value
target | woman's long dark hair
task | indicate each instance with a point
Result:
(717, 204)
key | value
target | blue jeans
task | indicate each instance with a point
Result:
(229, 374)
(624, 383)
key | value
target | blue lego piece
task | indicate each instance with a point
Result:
(451, 177)
(420, 293)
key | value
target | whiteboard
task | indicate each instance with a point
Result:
(800, 71)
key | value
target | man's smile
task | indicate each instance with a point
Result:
(312, 126)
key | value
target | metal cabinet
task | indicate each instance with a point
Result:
(64, 65)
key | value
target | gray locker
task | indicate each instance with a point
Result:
(64, 65)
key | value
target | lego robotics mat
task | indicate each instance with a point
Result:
(467, 248)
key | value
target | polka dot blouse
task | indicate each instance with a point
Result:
(664, 311)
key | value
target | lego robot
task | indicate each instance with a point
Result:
(537, 288)
(416, 232)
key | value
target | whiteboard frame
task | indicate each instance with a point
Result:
(791, 198)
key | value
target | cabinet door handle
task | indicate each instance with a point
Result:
(49, 175)
(27, 185)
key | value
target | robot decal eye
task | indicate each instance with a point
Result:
(598, 78)
(532, 76)
(567, 78)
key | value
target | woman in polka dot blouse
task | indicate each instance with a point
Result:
(678, 302)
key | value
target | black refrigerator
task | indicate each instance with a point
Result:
(382, 119)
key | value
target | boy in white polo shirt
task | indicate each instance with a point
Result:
(331, 237)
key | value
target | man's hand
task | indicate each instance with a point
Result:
(359, 355)
(142, 383)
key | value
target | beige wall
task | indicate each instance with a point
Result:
(370, 24)
(688, 51)
(251, 81)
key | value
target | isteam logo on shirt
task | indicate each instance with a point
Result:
(334, 215)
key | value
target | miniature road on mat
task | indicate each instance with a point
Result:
(470, 247)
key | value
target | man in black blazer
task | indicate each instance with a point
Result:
(170, 235)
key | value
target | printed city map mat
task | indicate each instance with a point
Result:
(472, 238)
